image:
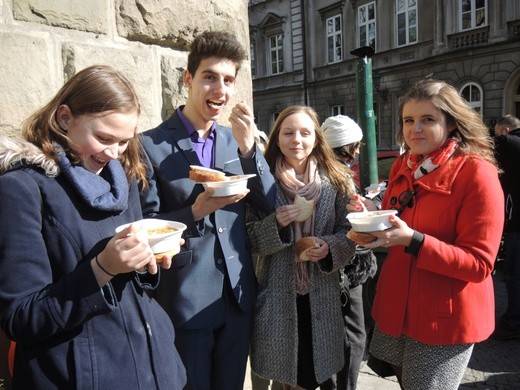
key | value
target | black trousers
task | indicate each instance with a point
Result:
(355, 343)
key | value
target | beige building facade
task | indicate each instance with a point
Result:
(44, 42)
(301, 54)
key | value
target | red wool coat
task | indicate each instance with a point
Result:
(445, 294)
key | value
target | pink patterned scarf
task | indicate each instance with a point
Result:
(309, 187)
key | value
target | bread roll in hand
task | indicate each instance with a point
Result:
(204, 175)
(303, 245)
(306, 206)
(361, 238)
(159, 257)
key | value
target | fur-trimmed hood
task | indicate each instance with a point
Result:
(15, 152)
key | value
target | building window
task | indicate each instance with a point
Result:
(252, 50)
(337, 110)
(473, 14)
(473, 95)
(516, 100)
(367, 24)
(274, 117)
(334, 43)
(406, 22)
(276, 53)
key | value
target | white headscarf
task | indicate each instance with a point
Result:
(340, 130)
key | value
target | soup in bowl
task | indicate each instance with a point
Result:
(163, 235)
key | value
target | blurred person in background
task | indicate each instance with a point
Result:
(507, 152)
(344, 137)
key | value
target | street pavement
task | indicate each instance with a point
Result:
(494, 365)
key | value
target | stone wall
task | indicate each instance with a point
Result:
(43, 42)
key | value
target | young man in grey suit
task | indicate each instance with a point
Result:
(210, 290)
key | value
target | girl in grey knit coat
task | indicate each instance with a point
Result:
(298, 329)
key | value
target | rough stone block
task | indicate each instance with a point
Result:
(80, 15)
(137, 64)
(173, 91)
(28, 77)
(174, 24)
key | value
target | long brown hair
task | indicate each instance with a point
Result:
(338, 173)
(93, 90)
(471, 133)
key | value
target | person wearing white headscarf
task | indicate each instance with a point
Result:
(341, 130)
(344, 136)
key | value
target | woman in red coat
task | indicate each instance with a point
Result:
(435, 295)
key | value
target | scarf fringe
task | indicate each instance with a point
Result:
(303, 281)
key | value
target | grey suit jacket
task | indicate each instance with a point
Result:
(191, 290)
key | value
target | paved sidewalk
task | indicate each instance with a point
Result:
(494, 365)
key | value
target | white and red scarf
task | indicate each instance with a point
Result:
(422, 165)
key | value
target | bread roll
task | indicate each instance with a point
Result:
(203, 174)
(159, 257)
(303, 245)
(361, 238)
(306, 206)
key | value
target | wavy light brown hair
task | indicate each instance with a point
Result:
(471, 133)
(338, 173)
(94, 90)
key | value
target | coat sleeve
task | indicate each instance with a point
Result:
(341, 249)
(478, 228)
(266, 238)
(33, 304)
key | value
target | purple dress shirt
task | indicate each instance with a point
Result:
(203, 147)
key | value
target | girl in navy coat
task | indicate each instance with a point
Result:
(73, 296)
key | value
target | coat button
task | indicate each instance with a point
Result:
(219, 261)
(220, 230)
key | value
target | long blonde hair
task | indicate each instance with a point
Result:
(93, 90)
(471, 133)
(339, 174)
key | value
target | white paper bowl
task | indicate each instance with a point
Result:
(372, 221)
(233, 186)
(162, 242)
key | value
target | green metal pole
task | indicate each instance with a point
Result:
(366, 118)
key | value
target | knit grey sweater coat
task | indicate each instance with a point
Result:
(275, 334)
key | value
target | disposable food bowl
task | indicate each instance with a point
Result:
(371, 221)
(235, 185)
(163, 235)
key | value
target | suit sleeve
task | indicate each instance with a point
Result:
(262, 186)
(151, 196)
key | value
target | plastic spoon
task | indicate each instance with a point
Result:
(365, 210)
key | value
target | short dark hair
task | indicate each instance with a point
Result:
(347, 152)
(218, 44)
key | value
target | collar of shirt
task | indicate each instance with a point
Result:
(203, 147)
